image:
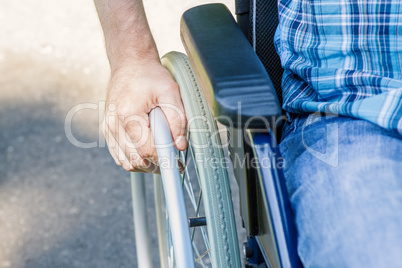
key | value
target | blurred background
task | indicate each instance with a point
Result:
(60, 205)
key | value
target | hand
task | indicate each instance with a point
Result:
(132, 94)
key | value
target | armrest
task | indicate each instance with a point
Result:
(235, 83)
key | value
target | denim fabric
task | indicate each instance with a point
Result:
(344, 178)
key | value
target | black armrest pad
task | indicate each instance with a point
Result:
(227, 67)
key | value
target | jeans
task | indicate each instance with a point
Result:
(344, 178)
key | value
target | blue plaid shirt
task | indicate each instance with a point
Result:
(342, 57)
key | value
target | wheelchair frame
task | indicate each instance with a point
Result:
(265, 207)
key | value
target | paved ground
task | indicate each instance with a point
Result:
(60, 205)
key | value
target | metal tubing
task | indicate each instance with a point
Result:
(160, 212)
(183, 252)
(142, 234)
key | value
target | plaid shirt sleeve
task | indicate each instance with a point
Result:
(342, 57)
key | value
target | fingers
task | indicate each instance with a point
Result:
(111, 143)
(116, 151)
(131, 141)
(140, 134)
(122, 149)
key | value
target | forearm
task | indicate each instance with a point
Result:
(138, 83)
(128, 39)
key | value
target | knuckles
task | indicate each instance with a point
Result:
(124, 110)
(169, 87)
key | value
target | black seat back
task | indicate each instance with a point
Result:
(258, 20)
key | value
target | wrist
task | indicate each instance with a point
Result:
(133, 66)
(132, 57)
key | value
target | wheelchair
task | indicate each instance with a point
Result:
(222, 78)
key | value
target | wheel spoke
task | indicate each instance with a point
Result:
(194, 160)
(197, 208)
(184, 158)
(190, 192)
(197, 253)
(197, 212)
(186, 179)
(188, 185)
(202, 256)
(205, 236)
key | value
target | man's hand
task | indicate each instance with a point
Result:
(131, 96)
(138, 84)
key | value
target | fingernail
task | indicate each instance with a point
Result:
(181, 166)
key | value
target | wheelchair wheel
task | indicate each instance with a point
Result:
(205, 181)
